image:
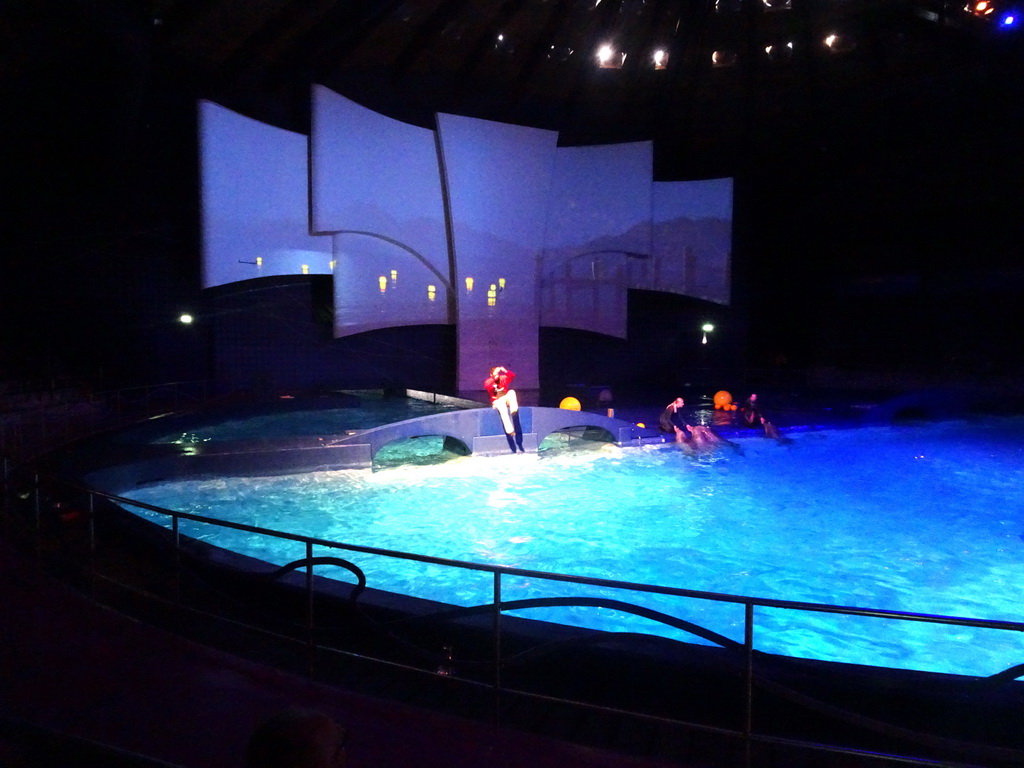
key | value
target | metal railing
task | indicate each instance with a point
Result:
(490, 670)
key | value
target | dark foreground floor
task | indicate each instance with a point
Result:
(69, 668)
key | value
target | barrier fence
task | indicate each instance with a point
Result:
(501, 656)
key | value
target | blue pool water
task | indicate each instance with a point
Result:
(926, 519)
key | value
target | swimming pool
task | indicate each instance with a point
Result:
(924, 518)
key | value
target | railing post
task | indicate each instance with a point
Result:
(748, 692)
(6, 477)
(38, 509)
(92, 545)
(37, 503)
(310, 645)
(497, 647)
(176, 534)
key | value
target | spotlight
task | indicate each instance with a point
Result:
(981, 8)
(723, 58)
(706, 328)
(607, 58)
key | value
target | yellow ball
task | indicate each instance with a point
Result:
(722, 399)
(641, 424)
(570, 404)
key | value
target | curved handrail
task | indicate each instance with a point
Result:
(586, 602)
(499, 606)
(594, 581)
(313, 561)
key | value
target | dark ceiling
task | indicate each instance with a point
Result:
(744, 81)
(534, 62)
(741, 77)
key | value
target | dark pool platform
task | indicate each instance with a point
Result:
(474, 428)
(476, 431)
(480, 431)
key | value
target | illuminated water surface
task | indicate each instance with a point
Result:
(926, 519)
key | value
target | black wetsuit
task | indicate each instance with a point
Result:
(751, 414)
(671, 419)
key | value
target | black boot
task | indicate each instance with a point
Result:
(519, 431)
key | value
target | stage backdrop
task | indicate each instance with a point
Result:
(488, 226)
(376, 187)
(254, 201)
(497, 178)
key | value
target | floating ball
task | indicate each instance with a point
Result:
(570, 403)
(723, 399)
(641, 424)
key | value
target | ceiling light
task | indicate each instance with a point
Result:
(837, 43)
(607, 58)
(660, 58)
(723, 58)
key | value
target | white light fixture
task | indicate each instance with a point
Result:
(607, 58)
(706, 328)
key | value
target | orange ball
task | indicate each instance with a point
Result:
(723, 399)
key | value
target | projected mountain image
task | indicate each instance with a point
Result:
(579, 285)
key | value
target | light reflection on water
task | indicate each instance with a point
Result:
(926, 519)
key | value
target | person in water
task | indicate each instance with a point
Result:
(751, 413)
(503, 399)
(673, 420)
(753, 417)
(696, 437)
